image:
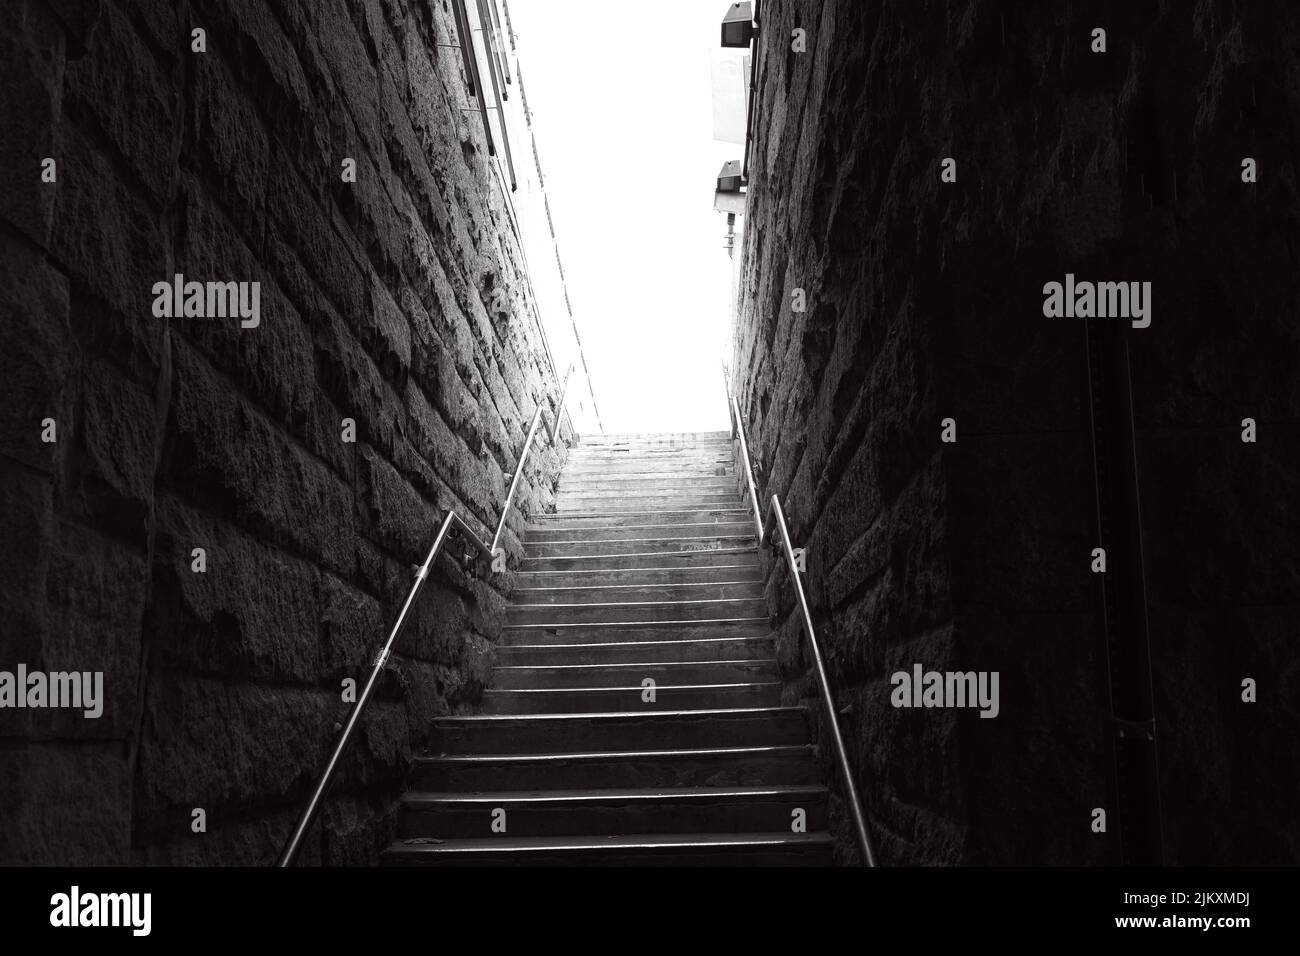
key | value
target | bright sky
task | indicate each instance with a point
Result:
(621, 99)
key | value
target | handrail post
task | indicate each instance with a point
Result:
(777, 516)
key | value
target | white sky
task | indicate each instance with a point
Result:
(621, 99)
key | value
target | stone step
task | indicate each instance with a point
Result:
(728, 849)
(639, 559)
(611, 593)
(653, 453)
(711, 767)
(679, 543)
(675, 483)
(619, 437)
(665, 463)
(622, 519)
(630, 652)
(603, 442)
(613, 474)
(648, 569)
(650, 449)
(527, 676)
(512, 635)
(613, 811)
(615, 501)
(714, 494)
(649, 530)
(619, 479)
(724, 496)
(649, 730)
(599, 700)
(707, 609)
(745, 569)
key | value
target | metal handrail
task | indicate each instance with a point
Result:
(563, 411)
(313, 805)
(776, 522)
(775, 532)
(453, 521)
(523, 456)
(738, 432)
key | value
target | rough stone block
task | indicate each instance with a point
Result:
(51, 814)
(120, 88)
(32, 61)
(34, 338)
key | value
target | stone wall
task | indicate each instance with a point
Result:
(398, 301)
(925, 302)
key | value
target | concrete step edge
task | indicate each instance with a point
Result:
(611, 587)
(632, 842)
(792, 750)
(686, 641)
(635, 554)
(744, 536)
(715, 567)
(637, 527)
(621, 716)
(633, 689)
(572, 668)
(635, 604)
(715, 620)
(598, 794)
(624, 514)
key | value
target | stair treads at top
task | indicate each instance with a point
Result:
(637, 558)
(671, 543)
(622, 517)
(743, 567)
(647, 502)
(607, 593)
(719, 463)
(562, 532)
(687, 486)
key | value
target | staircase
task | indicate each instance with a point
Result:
(648, 570)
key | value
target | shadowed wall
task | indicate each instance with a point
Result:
(399, 301)
(925, 302)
